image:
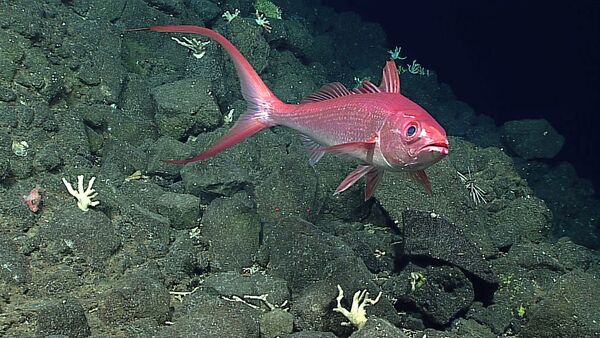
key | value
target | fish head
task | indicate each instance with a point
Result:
(412, 140)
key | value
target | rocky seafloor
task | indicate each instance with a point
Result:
(252, 243)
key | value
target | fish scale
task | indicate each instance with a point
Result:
(339, 122)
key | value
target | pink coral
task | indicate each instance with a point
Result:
(33, 200)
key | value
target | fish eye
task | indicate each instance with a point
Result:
(411, 131)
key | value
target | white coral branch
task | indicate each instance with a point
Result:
(84, 197)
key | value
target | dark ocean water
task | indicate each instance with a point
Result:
(509, 60)
(253, 242)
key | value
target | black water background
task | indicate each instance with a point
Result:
(509, 59)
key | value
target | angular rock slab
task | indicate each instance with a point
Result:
(435, 237)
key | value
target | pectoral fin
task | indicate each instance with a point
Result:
(355, 149)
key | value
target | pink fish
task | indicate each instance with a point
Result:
(375, 124)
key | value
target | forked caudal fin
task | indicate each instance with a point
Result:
(261, 101)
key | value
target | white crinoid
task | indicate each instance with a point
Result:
(475, 191)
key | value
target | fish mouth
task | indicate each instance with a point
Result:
(438, 147)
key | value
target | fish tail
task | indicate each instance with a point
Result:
(262, 103)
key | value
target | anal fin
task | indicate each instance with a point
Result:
(316, 150)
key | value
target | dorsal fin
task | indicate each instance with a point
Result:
(328, 91)
(367, 87)
(390, 80)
